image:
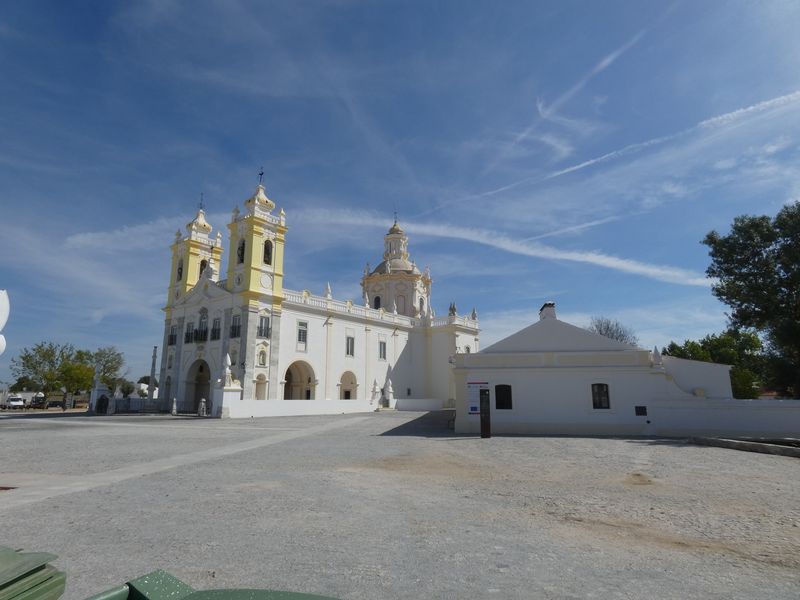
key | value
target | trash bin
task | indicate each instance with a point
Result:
(27, 576)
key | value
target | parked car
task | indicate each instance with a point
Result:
(15, 402)
(45, 403)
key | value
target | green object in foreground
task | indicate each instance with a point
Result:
(27, 576)
(160, 585)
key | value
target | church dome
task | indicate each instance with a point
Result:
(396, 265)
(395, 228)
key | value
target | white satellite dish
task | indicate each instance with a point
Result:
(5, 308)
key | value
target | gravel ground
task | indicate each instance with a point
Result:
(392, 505)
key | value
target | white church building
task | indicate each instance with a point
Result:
(555, 378)
(245, 346)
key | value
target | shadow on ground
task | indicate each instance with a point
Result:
(436, 423)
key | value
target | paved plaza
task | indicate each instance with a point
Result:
(394, 505)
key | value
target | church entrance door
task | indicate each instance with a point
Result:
(198, 385)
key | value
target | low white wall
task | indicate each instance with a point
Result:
(691, 375)
(244, 409)
(719, 418)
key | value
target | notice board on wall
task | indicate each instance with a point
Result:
(474, 396)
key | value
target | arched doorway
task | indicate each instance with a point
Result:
(299, 382)
(348, 386)
(198, 386)
(261, 387)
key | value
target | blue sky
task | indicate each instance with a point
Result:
(567, 151)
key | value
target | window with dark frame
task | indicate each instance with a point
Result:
(268, 252)
(236, 326)
(382, 350)
(302, 332)
(502, 397)
(350, 346)
(263, 327)
(600, 398)
(215, 329)
(188, 337)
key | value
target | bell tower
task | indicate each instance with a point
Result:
(257, 238)
(191, 255)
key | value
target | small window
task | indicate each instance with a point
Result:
(268, 252)
(188, 336)
(350, 346)
(376, 303)
(600, 397)
(502, 397)
(641, 411)
(302, 332)
(240, 252)
(179, 274)
(203, 265)
(263, 327)
(236, 326)
(382, 350)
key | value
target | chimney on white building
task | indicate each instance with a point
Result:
(548, 311)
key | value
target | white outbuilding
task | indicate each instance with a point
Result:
(555, 378)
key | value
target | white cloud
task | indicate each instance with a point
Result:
(501, 241)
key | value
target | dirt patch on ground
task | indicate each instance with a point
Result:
(638, 479)
(437, 465)
(636, 533)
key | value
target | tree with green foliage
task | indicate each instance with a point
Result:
(43, 364)
(110, 360)
(757, 272)
(25, 384)
(738, 348)
(146, 380)
(611, 328)
(48, 367)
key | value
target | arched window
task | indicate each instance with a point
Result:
(203, 265)
(268, 252)
(179, 275)
(240, 252)
(376, 303)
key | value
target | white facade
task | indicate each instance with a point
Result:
(294, 352)
(555, 378)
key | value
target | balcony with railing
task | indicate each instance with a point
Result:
(236, 331)
(188, 337)
(200, 335)
(263, 332)
(172, 339)
(215, 333)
